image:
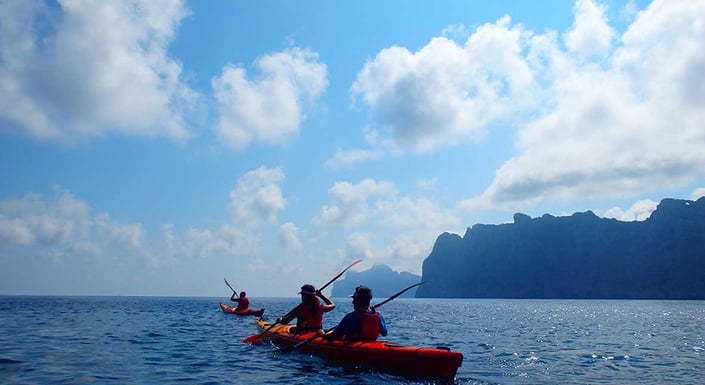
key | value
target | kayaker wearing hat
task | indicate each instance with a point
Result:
(309, 313)
(363, 323)
(243, 303)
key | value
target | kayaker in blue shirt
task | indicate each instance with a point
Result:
(363, 323)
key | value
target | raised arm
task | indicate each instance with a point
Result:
(293, 313)
(329, 305)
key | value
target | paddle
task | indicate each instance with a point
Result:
(226, 282)
(255, 338)
(304, 342)
(395, 296)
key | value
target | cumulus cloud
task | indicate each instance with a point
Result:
(448, 92)
(406, 212)
(258, 198)
(87, 69)
(380, 147)
(358, 246)
(289, 236)
(376, 213)
(349, 157)
(619, 128)
(598, 112)
(204, 243)
(62, 224)
(591, 34)
(268, 108)
(255, 201)
(640, 211)
(350, 202)
(698, 193)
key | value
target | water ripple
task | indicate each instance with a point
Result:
(189, 340)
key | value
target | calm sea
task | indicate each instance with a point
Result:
(154, 340)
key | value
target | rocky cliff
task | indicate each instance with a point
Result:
(579, 256)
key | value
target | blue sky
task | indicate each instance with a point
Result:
(155, 147)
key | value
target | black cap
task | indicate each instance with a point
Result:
(308, 289)
(362, 292)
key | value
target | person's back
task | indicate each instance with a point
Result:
(243, 303)
(309, 313)
(363, 323)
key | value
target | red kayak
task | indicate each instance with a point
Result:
(411, 361)
(229, 309)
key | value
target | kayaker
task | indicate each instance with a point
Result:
(243, 303)
(364, 323)
(309, 313)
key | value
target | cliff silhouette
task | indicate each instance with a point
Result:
(581, 256)
(383, 281)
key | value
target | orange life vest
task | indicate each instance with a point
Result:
(369, 326)
(312, 318)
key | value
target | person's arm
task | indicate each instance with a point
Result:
(234, 298)
(345, 326)
(382, 326)
(329, 304)
(289, 316)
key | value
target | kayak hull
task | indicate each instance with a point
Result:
(409, 361)
(232, 310)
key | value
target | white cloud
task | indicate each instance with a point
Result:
(131, 234)
(406, 212)
(62, 225)
(402, 252)
(350, 202)
(590, 35)
(227, 240)
(358, 246)
(640, 211)
(89, 68)
(268, 108)
(618, 129)
(446, 92)
(379, 147)
(349, 157)
(289, 236)
(386, 228)
(15, 231)
(698, 193)
(257, 198)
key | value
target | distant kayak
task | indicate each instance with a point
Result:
(411, 361)
(232, 310)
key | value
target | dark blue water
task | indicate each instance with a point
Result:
(145, 340)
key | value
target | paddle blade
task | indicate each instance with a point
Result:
(253, 339)
(226, 282)
(257, 337)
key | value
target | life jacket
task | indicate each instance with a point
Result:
(369, 325)
(243, 303)
(312, 318)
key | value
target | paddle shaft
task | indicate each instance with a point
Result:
(231, 288)
(339, 274)
(395, 295)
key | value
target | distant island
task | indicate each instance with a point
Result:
(383, 281)
(581, 256)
